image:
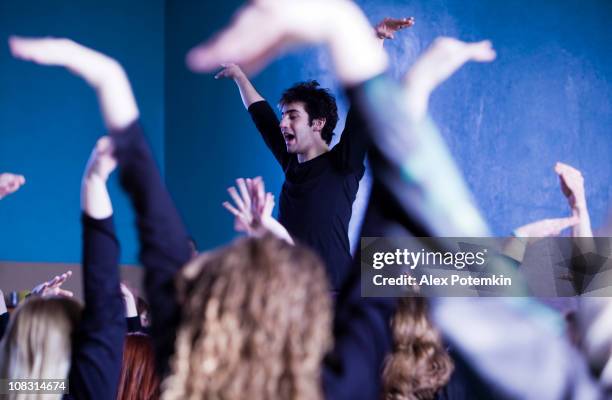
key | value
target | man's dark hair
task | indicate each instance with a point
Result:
(318, 103)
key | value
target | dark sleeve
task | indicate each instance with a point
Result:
(354, 142)
(267, 124)
(98, 349)
(133, 324)
(4, 320)
(164, 247)
(362, 338)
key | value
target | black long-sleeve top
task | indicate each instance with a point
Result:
(317, 196)
(164, 247)
(98, 345)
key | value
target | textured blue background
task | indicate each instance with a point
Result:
(546, 98)
(49, 119)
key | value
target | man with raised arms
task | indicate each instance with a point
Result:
(320, 183)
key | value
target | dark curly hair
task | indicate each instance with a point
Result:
(318, 103)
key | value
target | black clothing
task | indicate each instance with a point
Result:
(97, 350)
(133, 324)
(465, 384)
(317, 196)
(4, 320)
(164, 243)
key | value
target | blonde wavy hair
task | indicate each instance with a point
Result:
(419, 364)
(38, 341)
(256, 324)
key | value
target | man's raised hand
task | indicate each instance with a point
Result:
(387, 28)
(230, 71)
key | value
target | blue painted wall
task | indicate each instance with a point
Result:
(49, 120)
(546, 98)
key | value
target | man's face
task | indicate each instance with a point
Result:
(299, 135)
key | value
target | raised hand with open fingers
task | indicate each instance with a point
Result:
(253, 208)
(10, 183)
(53, 286)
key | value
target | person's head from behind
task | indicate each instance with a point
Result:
(38, 341)
(138, 380)
(309, 116)
(256, 322)
(419, 364)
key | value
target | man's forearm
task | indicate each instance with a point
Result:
(248, 93)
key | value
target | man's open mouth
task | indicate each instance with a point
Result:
(289, 137)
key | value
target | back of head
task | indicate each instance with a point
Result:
(419, 364)
(318, 103)
(37, 344)
(139, 380)
(256, 323)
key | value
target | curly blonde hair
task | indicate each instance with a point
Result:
(256, 323)
(419, 364)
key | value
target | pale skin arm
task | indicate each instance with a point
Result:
(339, 24)
(572, 186)
(252, 210)
(103, 74)
(117, 105)
(385, 29)
(438, 63)
(3, 309)
(248, 93)
(130, 301)
(10, 183)
(95, 200)
(524, 235)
